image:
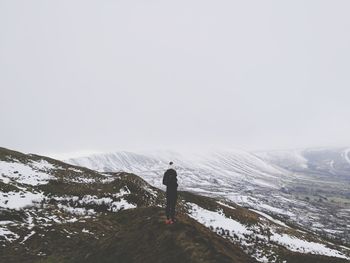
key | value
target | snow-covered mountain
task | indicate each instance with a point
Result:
(310, 188)
(51, 211)
(225, 169)
(333, 162)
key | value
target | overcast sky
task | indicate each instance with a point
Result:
(131, 75)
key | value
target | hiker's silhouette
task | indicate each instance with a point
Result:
(170, 180)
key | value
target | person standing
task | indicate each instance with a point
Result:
(170, 180)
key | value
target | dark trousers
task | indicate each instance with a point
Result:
(171, 197)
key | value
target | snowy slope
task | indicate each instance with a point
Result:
(226, 169)
(248, 234)
(37, 192)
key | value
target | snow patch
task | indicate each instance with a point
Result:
(275, 210)
(298, 245)
(347, 155)
(75, 170)
(151, 191)
(19, 200)
(5, 222)
(76, 210)
(223, 204)
(86, 231)
(109, 201)
(32, 173)
(83, 180)
(121, 205)
(42, 165)
(217, 219)
(123, 191)
(28, 236)
(8, 235)
(278, 222)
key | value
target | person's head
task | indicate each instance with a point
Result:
(171, 165)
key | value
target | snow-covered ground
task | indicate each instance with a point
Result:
(20, 180)
(32, 173)
(247, 235)
(278, 222)
(299, 245)
(19, 200)
(217, 220)
(7, 234)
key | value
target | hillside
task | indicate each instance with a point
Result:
(51, 211)
(308, 188)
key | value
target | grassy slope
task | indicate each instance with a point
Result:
(136, 235)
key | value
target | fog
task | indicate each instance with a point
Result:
(134, 75)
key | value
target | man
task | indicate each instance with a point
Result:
(170, 180)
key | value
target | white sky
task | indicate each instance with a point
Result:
(128, 75)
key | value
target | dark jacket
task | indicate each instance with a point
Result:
(170, 178)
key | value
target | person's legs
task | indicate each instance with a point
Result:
(173, 203)
(168, 205)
